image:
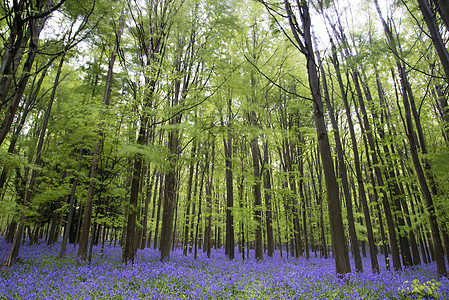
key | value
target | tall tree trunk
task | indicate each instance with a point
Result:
(414, 144)
(68, 226)
(257, 198)
(189, 199)
(192, 223)
(438, 43)
(374, 196)
(413, 257)
(25, 21)
(85, 228)
(158, 214)
(14, 49)
(54, 226)
(390, 176)
(153, 211)
(319, 198)
(175, 233)
(228, 145)
(304, 207)
(170, 191)
(268, 206)
(84, 238)
(357, 166)
(33, 173)
(200, 199)
(36, 26)
(344, 178)
(31, 102)
(241, 200)
(208, 218)
(443, 9)
(296, 243)
(338, 236)
(149, 188)
(129, 248)
(443, 110)
(379, 176)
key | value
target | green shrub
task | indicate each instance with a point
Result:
(428, 290)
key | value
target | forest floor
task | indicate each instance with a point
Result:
(41, 274)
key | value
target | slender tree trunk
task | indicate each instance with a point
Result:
(378, 173)
(158, 214)
(229, 247)
(443, 10)
(153, 211)
(54, 226)
(13, 50)
(36, 26)
(257, 198)
(68, 226)
(10, 232)
(78, 225)
(319, 198)
(205, 174)
(413, 257)
(414, 144)
(175, 233)
(170, 192)
(147, 204)
(338, 237)
(192, 223)
(84, 238)
(189, 199)
(208, 218)
(279, 233)
(292, 214)
(268, 206)
(438, 43)
(129, 248)
(304, 209)
(358, 169)
(18, 128)
(33, 173)
(344, 178)
(443, 110)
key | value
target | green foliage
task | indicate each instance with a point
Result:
(155, 154)
(51, 193)
(12, 160)
(428, 290)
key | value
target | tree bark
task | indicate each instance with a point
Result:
(379, 178)
(36, 26)
(268, 206)
(357, 166)
(149, 188)
(158, 214)
(200, 199)
(414, 143)
(338, 237)
(208, 218)
(230, 239)
(189, 199)
(443, 6)
(257, 198)
(344, 178)
(435, 35)
(68, 226)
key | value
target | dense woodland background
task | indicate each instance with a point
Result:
(316, 128)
